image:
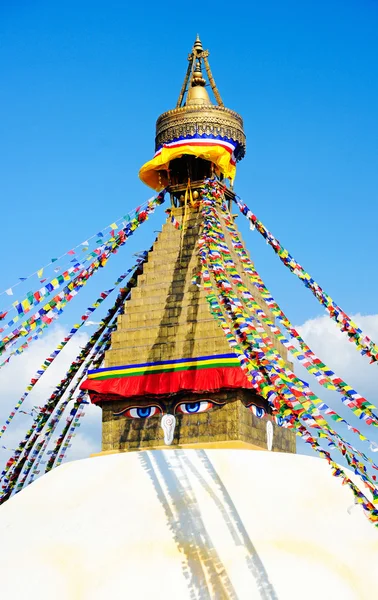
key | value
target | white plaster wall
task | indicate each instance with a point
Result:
(188, 524)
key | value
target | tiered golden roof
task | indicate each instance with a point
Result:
(195, 113)
(196, 128)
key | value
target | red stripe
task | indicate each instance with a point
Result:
(197, 143)
(203, 380)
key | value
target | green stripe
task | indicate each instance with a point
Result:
(115, 375)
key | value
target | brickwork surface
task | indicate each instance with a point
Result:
(167, 317)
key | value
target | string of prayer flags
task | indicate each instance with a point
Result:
(50, 359)
(361, 407)
(366, 346)
(100, 234)
(36, 333)
(32, 446)
(35, 298)
(265, 368)
(45, 314)
(173, 219)
(337, 471)
(261, 316)
(61, 442)
(103, 334)
(49, 433)
(74, 287)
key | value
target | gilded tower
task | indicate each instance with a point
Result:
(170, 377)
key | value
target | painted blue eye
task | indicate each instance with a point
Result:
(145, 412)
(279, 420)
(189, 408)
(141, 412)
(258, 411)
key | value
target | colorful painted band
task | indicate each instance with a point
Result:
(166, 366)
(205, 374)
(164, 384)
(221, 152)
(229, 146)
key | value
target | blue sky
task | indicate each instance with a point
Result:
(83, 83)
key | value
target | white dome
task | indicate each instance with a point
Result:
(188, 524)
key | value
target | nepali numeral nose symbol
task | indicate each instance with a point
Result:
(168, 423)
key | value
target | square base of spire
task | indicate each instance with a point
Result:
(229, 424)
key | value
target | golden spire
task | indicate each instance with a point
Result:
(198, 44)
(195, 58)
(197, 93)
(196, 127)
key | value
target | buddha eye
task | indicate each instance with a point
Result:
(189, 408)
(258, 411)
(142, 412)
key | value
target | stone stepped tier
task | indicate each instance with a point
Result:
(167, 318)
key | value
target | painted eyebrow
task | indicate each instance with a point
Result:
(254, 403)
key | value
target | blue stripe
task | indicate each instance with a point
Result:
(204, 136)
(164, 362)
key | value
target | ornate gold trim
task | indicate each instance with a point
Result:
(210, 120)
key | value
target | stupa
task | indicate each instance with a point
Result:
(169, 377)
(185, 516)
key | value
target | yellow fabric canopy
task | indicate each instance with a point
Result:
(220, 153)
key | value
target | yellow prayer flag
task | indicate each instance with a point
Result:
(40, 273)
(113, 226)
(25, 304)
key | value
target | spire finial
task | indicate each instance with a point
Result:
(195, 58)
(197, 45)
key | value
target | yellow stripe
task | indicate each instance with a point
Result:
(152, 368)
